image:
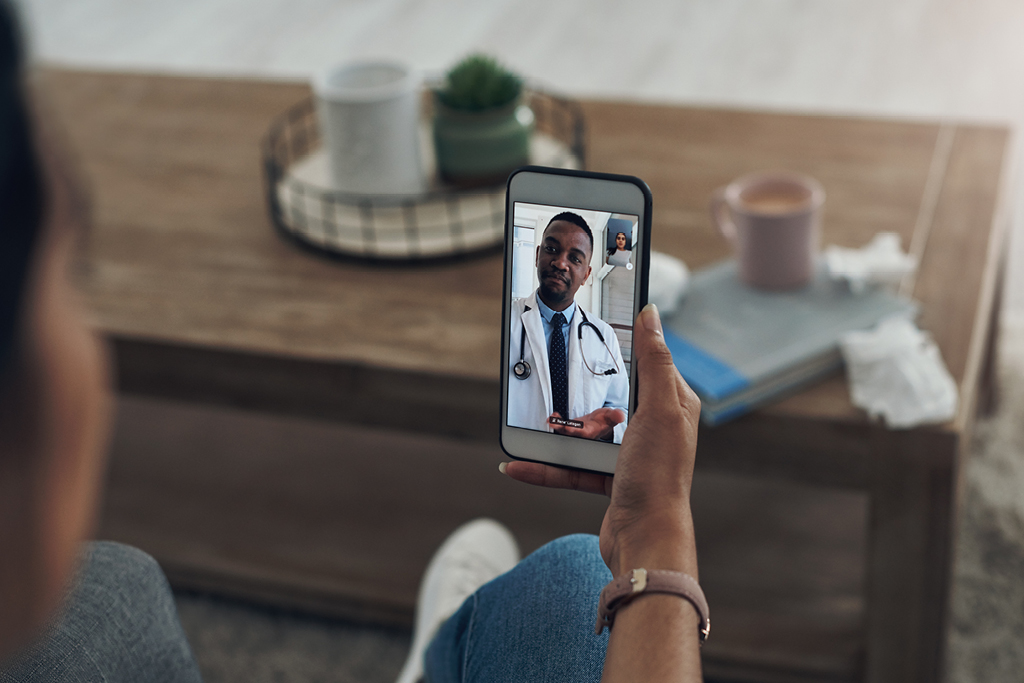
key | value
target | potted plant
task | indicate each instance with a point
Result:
(481, 126)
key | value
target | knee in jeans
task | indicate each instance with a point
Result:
(571, 560)
(570, 549)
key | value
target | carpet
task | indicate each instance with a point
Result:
(986, 641)
(236, 641)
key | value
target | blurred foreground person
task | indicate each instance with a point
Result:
(104, 612)
(117, 621)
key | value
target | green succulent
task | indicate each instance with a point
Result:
(479, 82)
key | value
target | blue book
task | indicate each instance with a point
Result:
(740, 347)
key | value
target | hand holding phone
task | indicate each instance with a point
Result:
(648, 522)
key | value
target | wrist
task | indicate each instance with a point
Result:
(650, 588)
(667, 542)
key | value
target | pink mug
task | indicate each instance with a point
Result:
(772, 219)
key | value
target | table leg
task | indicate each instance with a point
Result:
(988, 389)
(912, 513)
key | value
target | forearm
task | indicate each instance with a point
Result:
(655, 636)
(655, 639)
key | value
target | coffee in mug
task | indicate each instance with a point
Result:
(772, 219)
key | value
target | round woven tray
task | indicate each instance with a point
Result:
(445, 222)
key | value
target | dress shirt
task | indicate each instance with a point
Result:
(545, 315)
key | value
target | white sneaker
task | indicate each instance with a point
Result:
(475, 553)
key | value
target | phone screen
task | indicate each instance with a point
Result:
(572, 299)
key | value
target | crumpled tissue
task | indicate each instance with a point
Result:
(669, 280)
(880, 261)
(896, 373)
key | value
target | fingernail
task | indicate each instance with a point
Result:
(652, 319)
(502, 466)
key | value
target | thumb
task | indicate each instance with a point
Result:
(656, 373)
(610, 416)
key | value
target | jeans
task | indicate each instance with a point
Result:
(119, 625)
(535, 623)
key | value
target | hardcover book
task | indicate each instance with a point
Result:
(740, 347)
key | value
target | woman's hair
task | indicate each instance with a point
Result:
(21, 188)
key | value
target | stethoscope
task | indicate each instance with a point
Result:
(522, 369)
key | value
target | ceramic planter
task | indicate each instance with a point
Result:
(481, 147)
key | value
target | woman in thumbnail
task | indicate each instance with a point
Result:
(620, 253)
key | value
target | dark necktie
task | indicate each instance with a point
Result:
(559, 377)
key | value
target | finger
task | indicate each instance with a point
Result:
(656, 373)
(614, 416)
(550, 476)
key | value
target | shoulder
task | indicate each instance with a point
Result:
(520, 304)
(519, 307)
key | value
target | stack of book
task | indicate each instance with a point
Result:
(739, 347)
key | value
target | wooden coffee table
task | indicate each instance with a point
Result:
(206, 306)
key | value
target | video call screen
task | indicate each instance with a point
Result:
(572, 303)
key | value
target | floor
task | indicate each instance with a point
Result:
(916, 58)
(987, 631)
(238, 641)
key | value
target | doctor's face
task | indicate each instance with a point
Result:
(563, 263)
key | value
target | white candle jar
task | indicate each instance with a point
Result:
(369, 116)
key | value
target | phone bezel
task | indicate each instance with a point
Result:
(582, 190)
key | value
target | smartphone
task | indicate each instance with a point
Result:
(577, 253)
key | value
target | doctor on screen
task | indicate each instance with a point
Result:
(566, 373)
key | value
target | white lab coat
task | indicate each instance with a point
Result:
(529, 400)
